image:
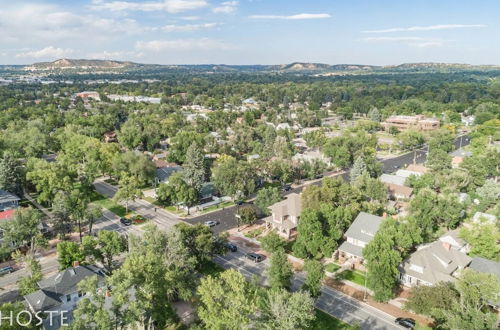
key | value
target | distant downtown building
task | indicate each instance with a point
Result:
(418, 122)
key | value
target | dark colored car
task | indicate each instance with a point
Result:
(6, 270)
(405, 322)
(255, 257)
(240, 202)
(286, 187)
(319, 176)
(125, 221)
(232, 247)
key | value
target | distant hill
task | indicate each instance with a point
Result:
(321, 69)
(65, 63)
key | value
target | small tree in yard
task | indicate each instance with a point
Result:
(315, 274)
(129, 190)
(67, 253)
(358, 168)
(272, 242)
(280, 272)
(247, 215)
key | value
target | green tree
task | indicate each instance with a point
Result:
(193, 167)
(432, 300)
(14, 309)
(247, 214)
(29, 283)
(287, 311)
(129, 190)
(105, 248)
(382, 259)
(267, 197)
(483, 239)
(233, 178)
(315, 274)
(471, 311)
(310, 239)
(358, 169)
(441, 139)
(410, 139)
(438, 160)
(227, 301)
(67, 253)
(272, 242)
(11, 176)
(24, 230)
(280, 271)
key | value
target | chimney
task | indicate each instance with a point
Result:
(76, 263)
(447, 246)
(107, 293)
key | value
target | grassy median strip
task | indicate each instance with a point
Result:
(109, 204)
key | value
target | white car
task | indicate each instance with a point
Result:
(211, 223)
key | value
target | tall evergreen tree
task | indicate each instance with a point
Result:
(358, 168)
(10, 174)
(280, 272)
(194, 169)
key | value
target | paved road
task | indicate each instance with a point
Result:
(331, 301)
(227, 217)
(161, 218)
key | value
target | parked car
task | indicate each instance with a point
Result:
(232, 247)
(319, 176)
(211, 223)
(240, 202)
(286, 187)
(6, 270)
(255, 257)
(125, 221)
(406, 322)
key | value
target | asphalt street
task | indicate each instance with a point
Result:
(331, 301)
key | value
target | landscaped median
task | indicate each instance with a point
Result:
(109, 204)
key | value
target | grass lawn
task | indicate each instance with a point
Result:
(331, 268)
(211, 268)
(216, 207)
(253, 233)
(324, 321)
(353, 276)
(108, 204)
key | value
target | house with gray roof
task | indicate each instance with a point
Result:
(359, 234)
(59, 293)
(482, 218)
(432, 263)
(285, 215)
(487, 266)
(8, 200)
(393, 179)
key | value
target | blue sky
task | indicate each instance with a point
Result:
(380, 32)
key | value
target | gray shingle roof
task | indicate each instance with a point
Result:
(434, 263)
(52, 289)
(485, 266)
(7, 197)
(291, 206)
(162, 174)
(394, 179)
(364, 227)
(351, 249)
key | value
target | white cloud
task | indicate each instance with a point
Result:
(37, 24)
(47, 52)
(427, 28)
(170, 6)
(181, 44)
(187, 27)
(191, 18)
(418, 42)
(292, 17)
(226, 7)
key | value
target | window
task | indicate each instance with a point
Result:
(80, 294)
(68, 298)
